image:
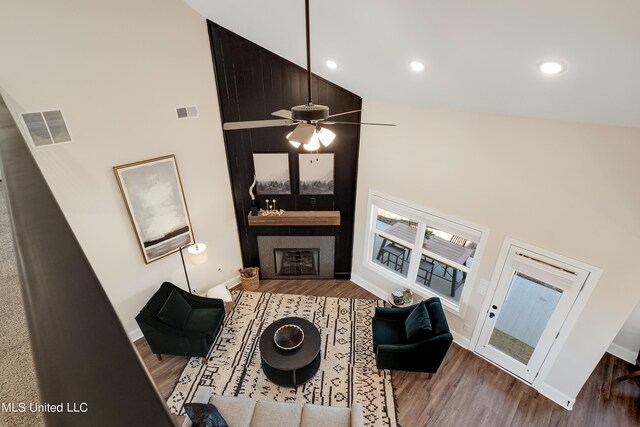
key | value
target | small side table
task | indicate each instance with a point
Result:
(393, 304)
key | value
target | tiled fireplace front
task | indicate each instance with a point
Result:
(296, 257)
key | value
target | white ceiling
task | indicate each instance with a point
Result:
(480, 55)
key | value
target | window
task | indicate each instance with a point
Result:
(429, 253)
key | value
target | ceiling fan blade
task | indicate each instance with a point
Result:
(346, 112)
(285, 114)
(356, 123)
(257, 124)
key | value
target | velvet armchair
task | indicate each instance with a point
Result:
(179, 323)
(414, 338)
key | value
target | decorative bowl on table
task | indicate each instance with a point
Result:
(288, 337)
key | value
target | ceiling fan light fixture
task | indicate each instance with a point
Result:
(325, 136)
(295, 144)
(302, 134)
(313, 144)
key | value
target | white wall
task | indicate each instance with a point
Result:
(567, 187)
(119, 69)
(627, 342)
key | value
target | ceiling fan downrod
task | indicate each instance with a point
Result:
(306, 16)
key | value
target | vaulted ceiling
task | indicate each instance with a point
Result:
(479, 55)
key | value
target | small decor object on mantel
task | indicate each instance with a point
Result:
(254, 208)
(249, 278)
(271, 212)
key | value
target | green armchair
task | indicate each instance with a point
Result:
(179, 323)
(414, 338)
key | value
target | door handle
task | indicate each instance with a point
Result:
(491, 315)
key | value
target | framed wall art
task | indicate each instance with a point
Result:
(272, 173)
(152, 192)
(316, 173)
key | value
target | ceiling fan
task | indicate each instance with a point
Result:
(309, 119)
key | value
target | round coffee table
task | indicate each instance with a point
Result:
(290, 367)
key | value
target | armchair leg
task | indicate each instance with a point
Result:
(430, 375)
(159, 356)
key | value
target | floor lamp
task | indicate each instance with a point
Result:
(197, 254)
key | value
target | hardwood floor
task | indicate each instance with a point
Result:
(467, 390)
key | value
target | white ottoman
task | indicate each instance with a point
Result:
(221, 292)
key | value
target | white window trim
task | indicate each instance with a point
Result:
(424, 215)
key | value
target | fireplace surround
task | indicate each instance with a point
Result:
(296, 257)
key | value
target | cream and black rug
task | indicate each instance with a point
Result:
(347, 371)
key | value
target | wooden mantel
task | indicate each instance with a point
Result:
(289, 218)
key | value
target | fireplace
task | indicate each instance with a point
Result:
(296, 257)
(296, 261)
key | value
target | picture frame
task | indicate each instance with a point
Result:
(153, 194)
(316, 174)
(272, 173)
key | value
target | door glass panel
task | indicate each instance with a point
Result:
(524, 316)
(391, 255)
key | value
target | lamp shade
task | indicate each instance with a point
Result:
(197, 253)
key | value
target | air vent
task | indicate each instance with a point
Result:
(187, 112)
(46, 128)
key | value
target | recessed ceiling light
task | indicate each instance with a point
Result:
(331, 64)
(551, 67)
(416, 66)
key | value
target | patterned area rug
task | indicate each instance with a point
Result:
(347, 371)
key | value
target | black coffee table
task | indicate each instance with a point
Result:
(290, 367)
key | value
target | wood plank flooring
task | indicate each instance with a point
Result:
(467, 390)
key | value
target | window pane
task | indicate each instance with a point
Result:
(397, 225)
(449, 246)
(444, 280)
(524, 316)
(391, 255)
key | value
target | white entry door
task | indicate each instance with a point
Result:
(532, 299)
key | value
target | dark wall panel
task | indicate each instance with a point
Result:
(252, 83)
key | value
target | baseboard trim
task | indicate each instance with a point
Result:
(622, 353)
(556, 396)
(135, 335)
(460, 340)
(368, 286)
(235, 280)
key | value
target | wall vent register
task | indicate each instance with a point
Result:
(187, 112)
(46, 128)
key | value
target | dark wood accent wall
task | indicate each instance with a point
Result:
(253, 82)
